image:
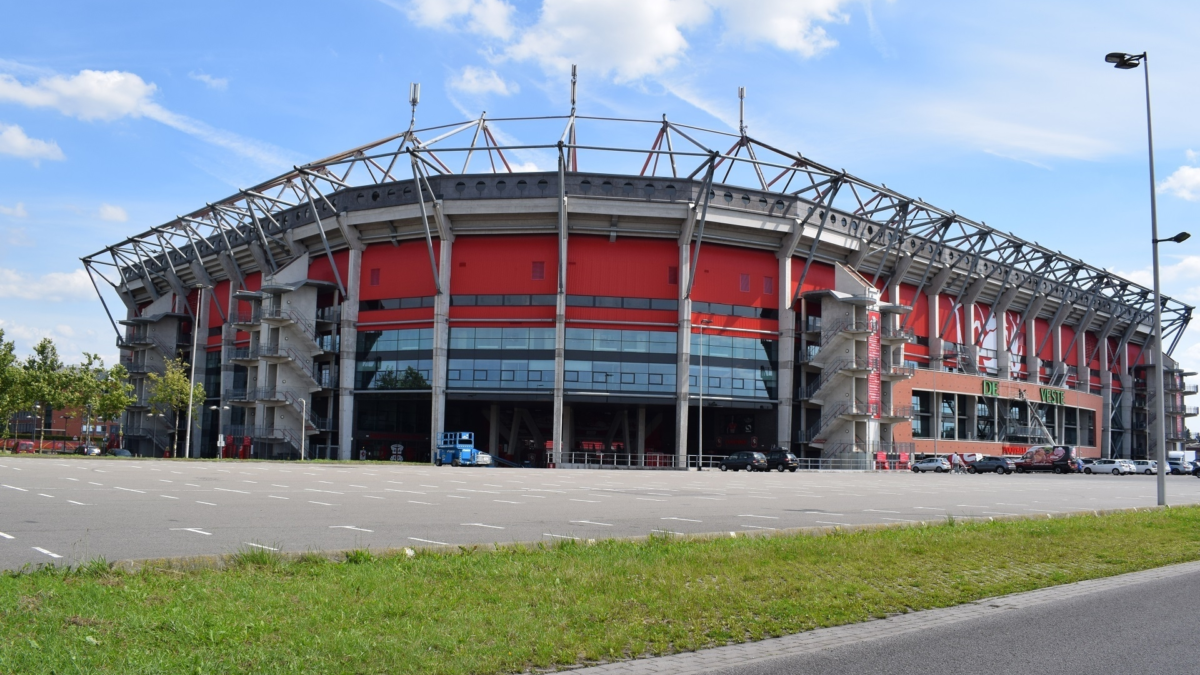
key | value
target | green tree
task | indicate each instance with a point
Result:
(100, 393)
(410, 379)
(44, 379)
(12, 383)
(170, 391)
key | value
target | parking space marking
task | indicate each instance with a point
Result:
(750, 515)
(7, 536)
(647, 499)
(492, 527)
(129, 490)
(349, 527)
(505, 501)
(372, 497)
(43, 494)
(14, 488)
(559, 536)
(275, 497)
(191, 529)
(322, 503)
(758, 527)
(168, 497)
(587, 501)
(430, 541)
(39, 549)
(901, 520)
(207, 503)
(229, 490)
(247, 543)
(70, 501)
(589, 522)
(830, 522)
(686, 520)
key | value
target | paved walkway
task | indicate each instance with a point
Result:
(742, 655)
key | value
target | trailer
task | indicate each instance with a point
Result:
(457, 448)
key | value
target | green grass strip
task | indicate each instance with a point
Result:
(518, 608)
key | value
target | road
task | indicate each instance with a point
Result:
(68, 510)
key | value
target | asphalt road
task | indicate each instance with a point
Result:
(1144, 628)
(68, 510)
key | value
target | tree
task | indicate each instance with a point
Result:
(170, 391)
(104, 393)
(44, 381)
(411, 378)
(12, 396)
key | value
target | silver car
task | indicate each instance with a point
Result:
(1117, 467)
(935, 464)
(1146, 466)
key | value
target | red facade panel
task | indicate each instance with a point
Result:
(400, 271)
(1044, 345)
(602, 314)
(504, 265)
(320, 269)
(719, 274)
(628, 268)
(820, 275)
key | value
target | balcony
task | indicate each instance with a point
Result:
(1183, 410)
(327, 379)
(242, 354)
(895, 412)
(894, 448)
(890, 372)
(328, 343)
(253, 318)
(888, 334)
(330, 314)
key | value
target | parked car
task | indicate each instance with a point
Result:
(1177, 467)
(120, 452)
(89, 450)
(750, 461)
(1055, 458)
(782, 460)
(1117, 467)
(935, 464)
(992, 465)
(1146, 466)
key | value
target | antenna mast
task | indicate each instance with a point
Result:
(742, 111)
(414, 97)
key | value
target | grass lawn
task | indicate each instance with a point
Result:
(518, 608)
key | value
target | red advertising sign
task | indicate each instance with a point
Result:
(874, 390)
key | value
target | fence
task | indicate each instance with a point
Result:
(614, 460)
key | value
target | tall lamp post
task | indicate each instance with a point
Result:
(700, 408)
(1123, 61)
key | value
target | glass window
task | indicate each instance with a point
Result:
(922, 424)
(671, 305)
(543, 300)
(580, 301)
(635, 303)
(608, 302)
(490, 300)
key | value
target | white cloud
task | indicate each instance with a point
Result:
(52, 287)
(789, 25)
(64, 330)
(17, 211)
(17, 236)
(112, 213)
(473, 80)
(624, 39)
(113, 95)
(13, 141)
(484, 17)
(1012, 139)
(1185, 182)
(1180, 279)
(218, 83)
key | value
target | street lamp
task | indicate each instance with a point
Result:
(700, 408)
(1123, 61)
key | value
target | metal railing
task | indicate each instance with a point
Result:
(1188, 411)
(330, 314)
(246, 318)
(600, 460)
(328, 343)
(812, 324)
(902, 411)
(831, 370)
(813, 433)
(888, 333)
(244, 431)
(327, 379)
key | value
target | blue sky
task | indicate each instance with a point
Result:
(116, 118)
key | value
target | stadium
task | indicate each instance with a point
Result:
(582, 291)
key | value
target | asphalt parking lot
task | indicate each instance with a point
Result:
(68, 510)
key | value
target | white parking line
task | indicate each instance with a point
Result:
(228, 490)
(43, 494)
(588, 501)
(372, 497)
(89, 483)
(191, 485)
(207, 503)
(750, 515)
(191, 529)
(348, 527)
(878, 511)
(430, 541)
(274, 497)
(14, 488)
(901, 520)
(42, 550)
(559, 536)
(322, 503)
(830, 522)
(505, 501)
(667, 532)
(168, 497)
(757, 527)
(275, 485)
(588, 522)
(7, 536)
(130, 490)
(422, 503)
(686, 520)
(647, 499)
(77, 503)
(492, 527)
(259, 546)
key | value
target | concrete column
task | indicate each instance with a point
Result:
(1126, 410)
(787, 352)
(1084, 383)
(494, 429)
(1003, 363)
(641, 435)
(228, 334)
(935, 327)
(1056, 350)
(200, 359)
(1031, 345)
(684, 352)
(560, 321)
(347, 346)
(1104, 425)
(441, 340)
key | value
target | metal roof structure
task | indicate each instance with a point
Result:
(899, 235)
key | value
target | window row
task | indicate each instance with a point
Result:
(395, 303)
(602, 340)
(725, 346)
(372, 343)
(393, 374)
(984, 418)
(735, 310)
(501, 338)
(622, 303)
(733, 382)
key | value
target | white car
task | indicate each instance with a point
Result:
(936, 464)
(1117, 467)
(1146, 466)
